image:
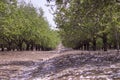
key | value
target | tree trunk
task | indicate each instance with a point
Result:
(9, 46)
(2, 47)
(115, 44)
(39, 48)
(88, 45)
(27, 46)
(110, 46)
(94, 44)
(36, 47)
(20, 47)
(32, 47)
(104, 42)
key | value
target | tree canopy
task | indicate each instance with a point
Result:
(23, 27)
(89, 24)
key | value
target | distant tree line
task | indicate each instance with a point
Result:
(89, 24)
(23, 27)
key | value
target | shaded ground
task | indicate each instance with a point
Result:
(70, 65)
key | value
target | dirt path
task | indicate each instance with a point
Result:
(26, 56)
(31, 55)
(38, 55)
(21, 65)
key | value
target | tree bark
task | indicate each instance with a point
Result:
(2, 47)
(104, 42)
(20, 46)
(94, 44)
(27, 46)
(32, 47)
(88, 45)
(9, 46)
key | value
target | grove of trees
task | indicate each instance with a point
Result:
(23, 27)
(83, 24)
(89, 24)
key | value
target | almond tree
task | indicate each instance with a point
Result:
(85, 22)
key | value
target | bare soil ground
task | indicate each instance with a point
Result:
(27, 64)
(39, 55)
(26, 55)
(32, 55)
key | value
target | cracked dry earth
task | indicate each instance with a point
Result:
(70, 65)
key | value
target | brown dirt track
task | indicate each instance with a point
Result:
(21, 64)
